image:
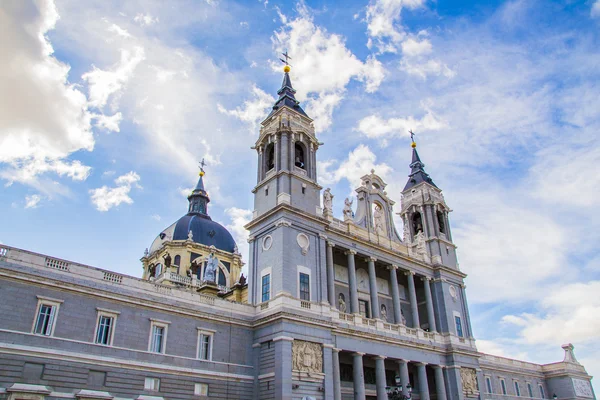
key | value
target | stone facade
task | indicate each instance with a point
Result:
(333, 309)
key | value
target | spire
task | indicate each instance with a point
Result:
(417, 169)
(199, 199)
(287, 94)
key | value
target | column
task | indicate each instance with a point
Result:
(283, 371)
(454, 382)
(395, 294)
(328, 370)
(284, 151)
(412, 294)
(440, 387)
(352, 282)
(337, 386)
(373, 288)
(277, 153)
(330, 274)
(423, 388)
(256, 354)
(261, 167)
(429, 301)
(358, 377)
(404, 378)
(380, 377)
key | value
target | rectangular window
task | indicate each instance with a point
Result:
(104, 331)
(158, 335)
(45, 319)
(542, 395)
(201, 389)
(530, 390)
(503, 385)
(266, 287)
(459, 330)
(517, 389)
(152, 384)
(363, 308)
(488, 383)
(205, 340)
(304, 287)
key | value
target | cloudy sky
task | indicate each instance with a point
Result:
(106, 107)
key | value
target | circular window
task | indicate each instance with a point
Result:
(452, 291)
(267, 242)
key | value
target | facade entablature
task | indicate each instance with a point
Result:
(422, 194)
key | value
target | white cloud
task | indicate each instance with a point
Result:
(108, 122)
(43, 118)
(145, 19)
(253, 111)
(359, 162)
(32, 201)
(383, 22)
(323, 65)
(103, 83)
(105, 198)
(595, 11)
(155, 217)
(116, 29)
(239, 218)
(424, 68)
(414, 48)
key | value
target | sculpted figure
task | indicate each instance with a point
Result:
(348, 214)
(383, 313)
(378, 220)
(195, 269)
(151, 271)
(190, 236)
(212, 264)
(342, 303)
(167, 258)
(327, 201)
(421, 248)
(403, 319)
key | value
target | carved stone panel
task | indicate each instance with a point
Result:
(469, 381)
(307, 356)
(582, 388)
(341, 273)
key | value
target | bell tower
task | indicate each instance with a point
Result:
(425, 217)
(286, 147)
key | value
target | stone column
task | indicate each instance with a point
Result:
(337, 386)
(284, 151)
(455, 386)
(330, 274)
(428, 299)
(261, 167)
(277, 153)
(328, 371)
(404, 378)
(423, 387)
(352, 282)
(373, 287)
(440, 387)
(412, 294)
(380, 377)
(395, 294)
(256, 348)
(359, 377)
(283, 371)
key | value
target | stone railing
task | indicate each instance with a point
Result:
(366, 235)
(563, 366)
(507, 362)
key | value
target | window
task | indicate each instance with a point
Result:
(363, 308)
(177, 261)
(417, 223)
(503, 385)
(299, 156)
(201, 389)
(459, 330)
(529, 389)
(542, 395)
(266, 287)
(488, 382)
(158, 336)
(205, 340)
(104, 331)
(270, 157)
(303, 283)
(517, 389)
(152, 384)
(47, 310)
(441, 224)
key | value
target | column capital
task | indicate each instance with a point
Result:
(436, 366)
(425, 278)
(358, 353)
(327, 345)
(336, 350)
(420, 363)
(350, 251)
(393, 266)
(324, 237)
(330, 244)
(370, 258)
(402, 361)
(380, 357)
(284, 338)
(409, 272)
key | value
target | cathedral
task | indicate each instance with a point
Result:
(330, 309)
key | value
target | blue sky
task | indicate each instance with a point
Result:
(106, 108)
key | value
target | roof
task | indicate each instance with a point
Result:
(417, 172)
(287, 97)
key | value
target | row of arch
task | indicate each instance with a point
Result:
(417, 222)
(299, 156)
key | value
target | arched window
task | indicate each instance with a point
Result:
(417, 223)
(441, 224)
(177, 260)
(299, 160)
(270, 157)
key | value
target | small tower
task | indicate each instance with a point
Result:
(425, 217)
(286, 147)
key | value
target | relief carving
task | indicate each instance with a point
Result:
(307, 356)
(469, 381)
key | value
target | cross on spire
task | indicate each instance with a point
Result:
(287, 57)
(202, 164)
(412, 135)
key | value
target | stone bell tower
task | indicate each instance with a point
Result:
(286, 147)
(425, 217)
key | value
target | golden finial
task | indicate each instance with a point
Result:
(202, 164)
(286, 68)
(412, 138)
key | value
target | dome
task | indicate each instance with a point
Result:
(205, 231)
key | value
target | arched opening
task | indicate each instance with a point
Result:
(299, 160)
(441, 223)
(379, 220)
(417, 223)
(270, 157)
(177, 261)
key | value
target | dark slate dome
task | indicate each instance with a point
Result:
(205, 231)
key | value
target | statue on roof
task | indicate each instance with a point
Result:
(378, 220)
(348, 214)
(167, 258)
(212, 265)
(327, 202)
